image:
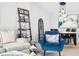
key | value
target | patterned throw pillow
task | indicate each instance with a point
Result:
(52, 38)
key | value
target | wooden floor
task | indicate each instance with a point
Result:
(69, 50)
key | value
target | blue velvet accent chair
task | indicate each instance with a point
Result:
(54, 46)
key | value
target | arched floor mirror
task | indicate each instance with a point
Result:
(40, 28)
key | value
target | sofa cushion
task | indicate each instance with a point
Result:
(2, 50)
(22, 40)
(0, 45)
(7, 36)
(16, 46)
(14, 53)
(26, 51)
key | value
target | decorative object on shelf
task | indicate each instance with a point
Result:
(24, 30)
(32, 48)
(40, 28)
(32, 54)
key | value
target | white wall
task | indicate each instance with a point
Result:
(54, 18)
(46, 10)
(9, 16)
(51, 8)
(72, 7)
(37, 12)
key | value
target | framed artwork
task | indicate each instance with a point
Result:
(71, 21)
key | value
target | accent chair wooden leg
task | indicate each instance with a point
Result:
(44, 52)
(59, 53)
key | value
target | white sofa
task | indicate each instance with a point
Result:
(16, 46)
(14, 53)
(2, 50)
(20, 44)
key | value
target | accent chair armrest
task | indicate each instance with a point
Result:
(61, 41)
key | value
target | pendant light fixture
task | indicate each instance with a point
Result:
(62, 12)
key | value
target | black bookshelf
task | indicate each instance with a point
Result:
(24, 30)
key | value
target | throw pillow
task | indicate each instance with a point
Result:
(52, 38)
(7, 36)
